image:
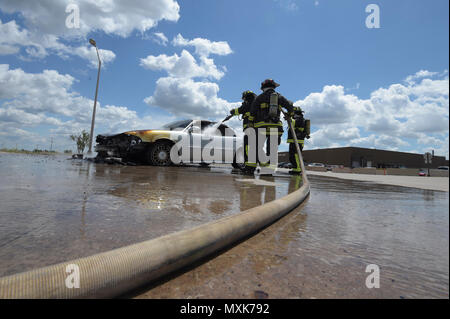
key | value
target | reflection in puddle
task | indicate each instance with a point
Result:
(257, 181)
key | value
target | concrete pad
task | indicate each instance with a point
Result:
(422, 182)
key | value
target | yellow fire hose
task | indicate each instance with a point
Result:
(118, 271)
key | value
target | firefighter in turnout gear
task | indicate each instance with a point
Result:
(247, 120)
(265, 110)
(244, 109)
(301, 128)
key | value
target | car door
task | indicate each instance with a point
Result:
(211, 143)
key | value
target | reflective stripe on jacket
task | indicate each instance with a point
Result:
(244, 109)
(299, 129)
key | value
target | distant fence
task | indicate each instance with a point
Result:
(316, 168)
(438, 173)
(399, 171)
(365, 170)
(342, 170)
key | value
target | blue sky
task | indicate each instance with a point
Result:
(385, 87)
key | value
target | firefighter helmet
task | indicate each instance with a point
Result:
(246, 94)
(269, 83)
(297, 109)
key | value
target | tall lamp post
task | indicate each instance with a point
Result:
(91, 41)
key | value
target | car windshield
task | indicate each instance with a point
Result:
(177, 125)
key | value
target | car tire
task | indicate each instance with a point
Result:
(159, 154)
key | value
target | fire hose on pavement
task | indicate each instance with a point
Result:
(115, 272)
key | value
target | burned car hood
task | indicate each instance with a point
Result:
(144, 135)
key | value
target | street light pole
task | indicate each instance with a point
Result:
(91, 41)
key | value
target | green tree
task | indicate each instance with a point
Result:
(82, 139)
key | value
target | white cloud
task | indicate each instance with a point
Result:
(185, 97)
(118, 17)
(161, 62)
(89, 53)
(356, 87)
(184, 66)
(11, 137)
(178, 93)
(203, 47)
(395, 117)
(6, 49)
(45, 25)
(381, 141)
(290, 5)
(331, 106)
(418, 75)
(37, 93)
(33, 100)
(332, 136)
(439, 149)
(160, 38)
(12, 38)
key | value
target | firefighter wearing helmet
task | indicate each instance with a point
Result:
(247, 120)
(301, 128)
(266, 111)
(244, 109)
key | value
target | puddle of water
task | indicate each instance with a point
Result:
(257, 181)
(53, 209)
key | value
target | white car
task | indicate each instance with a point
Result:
(316, 165)
(195, 141)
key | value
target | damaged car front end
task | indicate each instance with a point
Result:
(125, 146)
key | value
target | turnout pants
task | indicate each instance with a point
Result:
(263, 137)
(246, 150)
(267, 137)
(293, 156)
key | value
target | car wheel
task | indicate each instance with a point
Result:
(159, 154)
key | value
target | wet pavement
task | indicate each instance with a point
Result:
(322, 249)
(422, 182)
(53, 210)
